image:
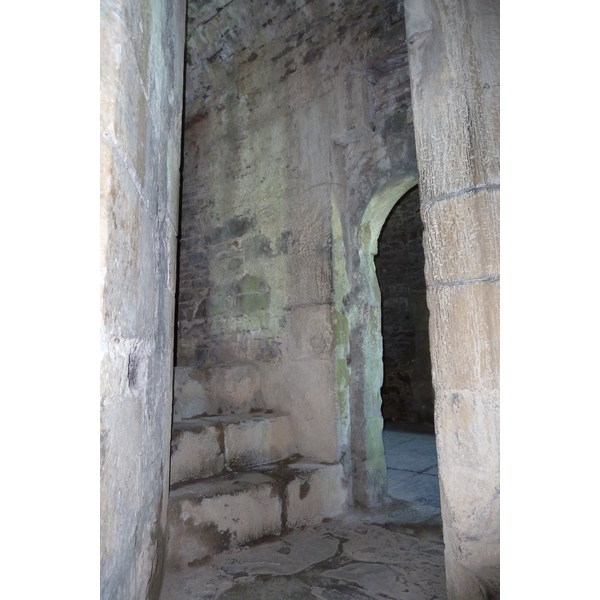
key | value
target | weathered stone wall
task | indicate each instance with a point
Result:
(454, 64)
(296, 114)
(142, 45)
(407, 392)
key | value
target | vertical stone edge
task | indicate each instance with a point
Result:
(142, 46)
(175, 22)
(454, 70)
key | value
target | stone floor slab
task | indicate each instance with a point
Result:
(288, 555)
(396, 551)
(414, 487)
(387, 580)
(342, 591)
(411, 459)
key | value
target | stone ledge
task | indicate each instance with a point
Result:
(205, 446)
(208, 516)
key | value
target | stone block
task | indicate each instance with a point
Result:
(316, 492)
(204, 447)
(196, 451)
(473, 446)
(310, 332)
(236, 347)
(469, 473)
(309, 279)
(211, 516)
(312, 151)
(189, 395)
(258, 440)
(216, 390)
(309, 223)
(305, 389)
(462, 237)
(465, 336)
(455, 84)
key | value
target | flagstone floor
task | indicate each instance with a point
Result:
(395, 552)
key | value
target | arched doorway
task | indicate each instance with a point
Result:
(358, 339)
(407, 392)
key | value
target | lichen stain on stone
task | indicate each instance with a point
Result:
(285, 51)
(304, 489)
(233, 228)
(251, 294)
(200, 353)
(200, 562)
(221, 439)
(193, 120)
(218, 305)
(268, 350)
(258, 246)
(175, 437)
(285, 242)
(318, 342)
(290, 68)
(132, 371)
(250, 284)
(217, 541)
(313, 55)
(341, 329)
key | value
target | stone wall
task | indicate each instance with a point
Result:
(407, 392)
(298, 142)
(296, 114)
(141, 102)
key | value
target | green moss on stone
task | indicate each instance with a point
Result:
(217, 305)
(341, 330)
(376, 467)
(342, 377)
(254, 302)
(250, 284)
(251, 295)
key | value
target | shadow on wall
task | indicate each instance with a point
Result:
(407, 392)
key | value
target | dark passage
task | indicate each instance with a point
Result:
(407, 392)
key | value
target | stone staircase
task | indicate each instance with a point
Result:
(236, 478)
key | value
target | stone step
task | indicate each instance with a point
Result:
(207, 446)
(209, 516)
(216, 390)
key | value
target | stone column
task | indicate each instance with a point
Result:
(454, 67)
(141, 75)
